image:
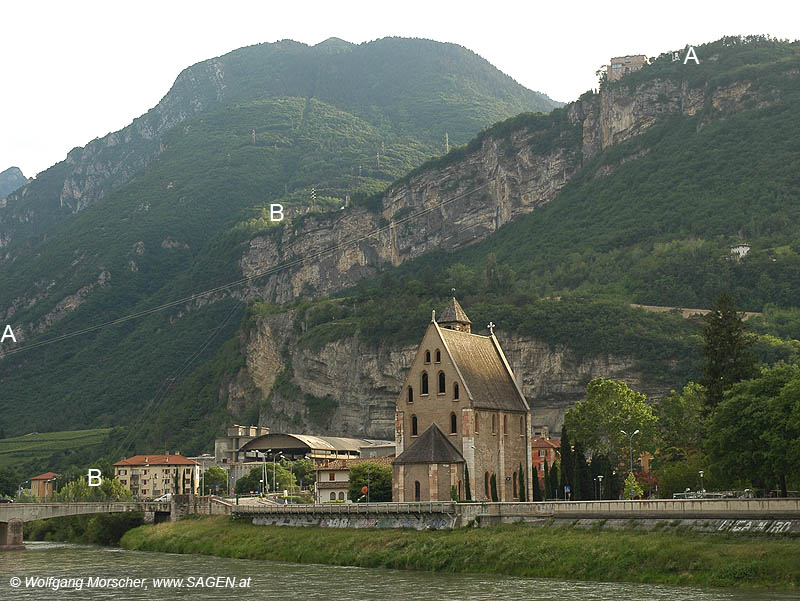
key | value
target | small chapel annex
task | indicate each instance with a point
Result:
(461, 416)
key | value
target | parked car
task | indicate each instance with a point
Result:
(6, 500)
(164, 498)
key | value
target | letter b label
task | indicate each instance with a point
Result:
(275, 212)
(94, 477)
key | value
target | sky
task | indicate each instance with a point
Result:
(75, 71)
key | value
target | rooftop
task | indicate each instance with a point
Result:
(157, 460)
(431, 447)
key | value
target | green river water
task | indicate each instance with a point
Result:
(69, 568)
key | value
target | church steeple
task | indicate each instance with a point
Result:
(454, 318)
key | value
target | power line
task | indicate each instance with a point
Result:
(250, 278)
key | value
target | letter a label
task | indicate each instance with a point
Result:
(691, 56)
(8, 333)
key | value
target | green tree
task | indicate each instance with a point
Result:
(548, 489)
(104, 465)
(212, 477)
(252, 480)
(611, 407)
(9, 481)
(755, 430)
(554, 469)
(493, 485)
(377, 476)
(467, 488)
(566, 463)
(537, 489)
(633, 490)
(726, 349)
(582, 488)
(521, 478)
(681, 423)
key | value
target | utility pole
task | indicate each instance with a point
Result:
(254, 136)
(378, 159)
(446, 143)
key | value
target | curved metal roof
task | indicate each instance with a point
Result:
(307, 442)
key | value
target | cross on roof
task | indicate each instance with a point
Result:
(491, 327)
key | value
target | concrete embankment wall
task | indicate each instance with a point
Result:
(767, 516)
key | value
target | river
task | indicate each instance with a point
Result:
(212, 578)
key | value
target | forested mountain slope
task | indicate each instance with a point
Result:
(166, 207)
(632, 194)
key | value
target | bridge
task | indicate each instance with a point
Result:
(13, 515)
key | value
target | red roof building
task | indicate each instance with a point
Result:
(544, 449)
(151, 476)
(43, 485)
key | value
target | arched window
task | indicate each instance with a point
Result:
(416, 490)
(453, 424)
(477, 422)
(486, 484)
(427, 356)
(514, 479)
(424, 382)
(438, 356)
(333, 496)
(413, 425)
(455, 391)
(442, 386)
(494, 423)
(341, 496)
(410, 394)
(505, 425)
(522, 425)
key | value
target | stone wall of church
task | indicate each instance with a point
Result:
(435, 481)
(434, 407)
(498, 450)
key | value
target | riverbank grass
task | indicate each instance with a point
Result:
(716, 560)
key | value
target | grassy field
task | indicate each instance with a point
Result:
(21, 449)
(563, 553)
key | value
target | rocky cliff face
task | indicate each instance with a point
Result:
(454, 205)
(10, 180)
(363, 380)
(466, 200)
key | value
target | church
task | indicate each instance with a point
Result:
(462, 424)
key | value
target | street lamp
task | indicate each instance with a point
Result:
(600, 478)
(702, 488)
(630, 443)
(275, 470)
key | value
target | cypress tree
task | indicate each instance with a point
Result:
(554, 480)
(537, 490)
(583, 489)
(566, 462)
(493, 484)
(726, 348)
(467, 489)
(548, 492)
(522, 491)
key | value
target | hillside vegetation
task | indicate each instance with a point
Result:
(649, 221)
(336, 117)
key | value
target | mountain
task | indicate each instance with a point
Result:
(168, 205)
(10, 180)
(550, 226)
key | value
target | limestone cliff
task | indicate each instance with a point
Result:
(361, 381)
(464, 197)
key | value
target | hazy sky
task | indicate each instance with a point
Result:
(74, 71)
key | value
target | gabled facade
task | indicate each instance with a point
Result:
(462, 383)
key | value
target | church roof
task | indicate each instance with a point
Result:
(453, 313)
(485, 372)
(431, 447)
